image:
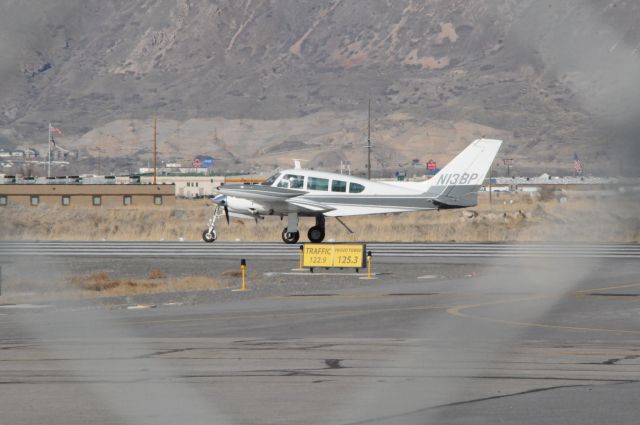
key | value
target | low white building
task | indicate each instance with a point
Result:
(189, 186)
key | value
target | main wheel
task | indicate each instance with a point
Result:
(316, 234)
(290, 237)
(209, 237)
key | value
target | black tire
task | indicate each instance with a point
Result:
(209, 237)
(316, 234)
(290, 237)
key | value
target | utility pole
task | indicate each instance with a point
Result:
(508, 162)
(49, 143)
(369, 143)
(490, 172)
(155, 149)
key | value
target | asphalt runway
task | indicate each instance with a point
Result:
(452, 340)
(279, 249)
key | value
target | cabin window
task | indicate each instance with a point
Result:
(66, 200)
(126, 200)
(338, 186)
(3, 200)
(35, 200)
(355, 188)
(316, 183)
(292, 181)
(97, 200)
(268, 182)
(157, 200)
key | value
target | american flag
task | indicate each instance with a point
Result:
(56, 130)
(577, 165)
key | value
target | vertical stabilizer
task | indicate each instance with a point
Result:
(457, 184)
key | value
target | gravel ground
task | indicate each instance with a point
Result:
(265, 277)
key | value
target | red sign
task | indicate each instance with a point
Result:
(196, 163)
(431, 165)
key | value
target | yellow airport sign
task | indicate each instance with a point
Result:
(334, 255)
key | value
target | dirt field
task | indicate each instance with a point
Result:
(573, 216)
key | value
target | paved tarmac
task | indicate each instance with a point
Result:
(456, 340)
(279, 249)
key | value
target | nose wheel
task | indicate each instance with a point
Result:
(209, 236)
(290, 237)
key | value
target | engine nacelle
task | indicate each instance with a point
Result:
(245, 206)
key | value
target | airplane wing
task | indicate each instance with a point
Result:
(259, 193)
(354, 210)
(245, 216)
(307, 205)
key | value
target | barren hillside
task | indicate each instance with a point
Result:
(248, 80)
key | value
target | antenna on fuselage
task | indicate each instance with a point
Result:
(345, 165)
(297, 163)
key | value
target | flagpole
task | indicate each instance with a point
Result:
(49, 143)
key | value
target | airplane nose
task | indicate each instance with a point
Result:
(219, 199)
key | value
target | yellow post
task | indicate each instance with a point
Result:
(301, 256)
(243, 267)
(369, 265)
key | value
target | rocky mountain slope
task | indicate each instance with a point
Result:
(257, 82)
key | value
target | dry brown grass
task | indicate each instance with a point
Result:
(519, 217)
(98, 282)
(21, 288)
(101, 283)
(155, 274)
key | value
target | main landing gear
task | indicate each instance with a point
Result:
(290, 237)
(291, 233)
(316, 233)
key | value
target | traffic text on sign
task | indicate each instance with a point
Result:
(334, 255)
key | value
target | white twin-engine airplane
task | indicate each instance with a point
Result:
(308, 193)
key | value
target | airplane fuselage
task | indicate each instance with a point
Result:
(318, 192)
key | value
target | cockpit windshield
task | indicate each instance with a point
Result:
(271, 180)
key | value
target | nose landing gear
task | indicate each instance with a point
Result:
(210, 235)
